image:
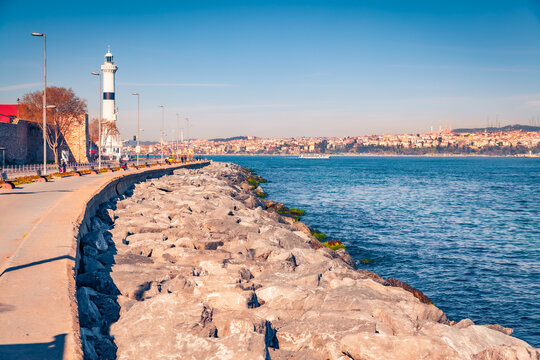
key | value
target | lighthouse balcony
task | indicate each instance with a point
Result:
(109, 67)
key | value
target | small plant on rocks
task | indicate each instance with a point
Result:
(296, 211)
(318, 235)
(334, 244)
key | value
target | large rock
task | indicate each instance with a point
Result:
(89, 314)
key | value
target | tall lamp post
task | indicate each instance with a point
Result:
(44, 100)
(162, 126)
(187, 136)
(187, 128)
(138, 149)
(100, 118)
(177, 135)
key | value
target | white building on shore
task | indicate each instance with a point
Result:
(112, 145)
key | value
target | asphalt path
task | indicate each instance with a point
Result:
(36, 283)
(23, 207)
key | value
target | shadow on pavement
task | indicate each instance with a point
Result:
(13, 268)
(6, 307)
(49, 350)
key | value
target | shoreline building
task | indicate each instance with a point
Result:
(21, 141)
(112, 145)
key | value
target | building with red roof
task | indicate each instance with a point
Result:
(22, 140)
(8, 113)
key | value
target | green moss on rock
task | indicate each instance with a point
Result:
(256, 180)
(318, 235)
(334, 245)
(296, 211)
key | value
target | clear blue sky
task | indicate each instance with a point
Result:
(285, 68)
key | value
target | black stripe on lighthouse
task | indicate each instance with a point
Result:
(108, 96)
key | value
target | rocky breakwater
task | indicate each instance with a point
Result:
(195, 266)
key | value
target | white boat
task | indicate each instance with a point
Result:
(314, 156)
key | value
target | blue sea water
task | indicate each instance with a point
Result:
(463, 230)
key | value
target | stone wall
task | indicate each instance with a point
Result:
(78, 141)
(23, 141)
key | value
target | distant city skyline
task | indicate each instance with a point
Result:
(282, 68)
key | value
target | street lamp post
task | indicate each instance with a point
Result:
(187, 137)
(44, 100)
(162, 127)
(99, 120)
(138, 149)
(178, 135)
(187, 128)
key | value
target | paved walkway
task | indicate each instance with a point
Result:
(22, 208)
(34, 261)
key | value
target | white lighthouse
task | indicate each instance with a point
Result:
(111, 143)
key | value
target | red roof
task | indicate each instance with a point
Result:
(8, 112)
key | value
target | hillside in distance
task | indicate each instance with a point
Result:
(134, 142)
(230, 138)
(516, 127)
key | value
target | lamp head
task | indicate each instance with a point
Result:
(94, 73)
(37, 34)
(134, 93)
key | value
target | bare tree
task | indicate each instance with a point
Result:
(108, 128)
(61, 120)
(93, 130)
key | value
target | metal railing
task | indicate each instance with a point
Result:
(11, 172)
(15, 171)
